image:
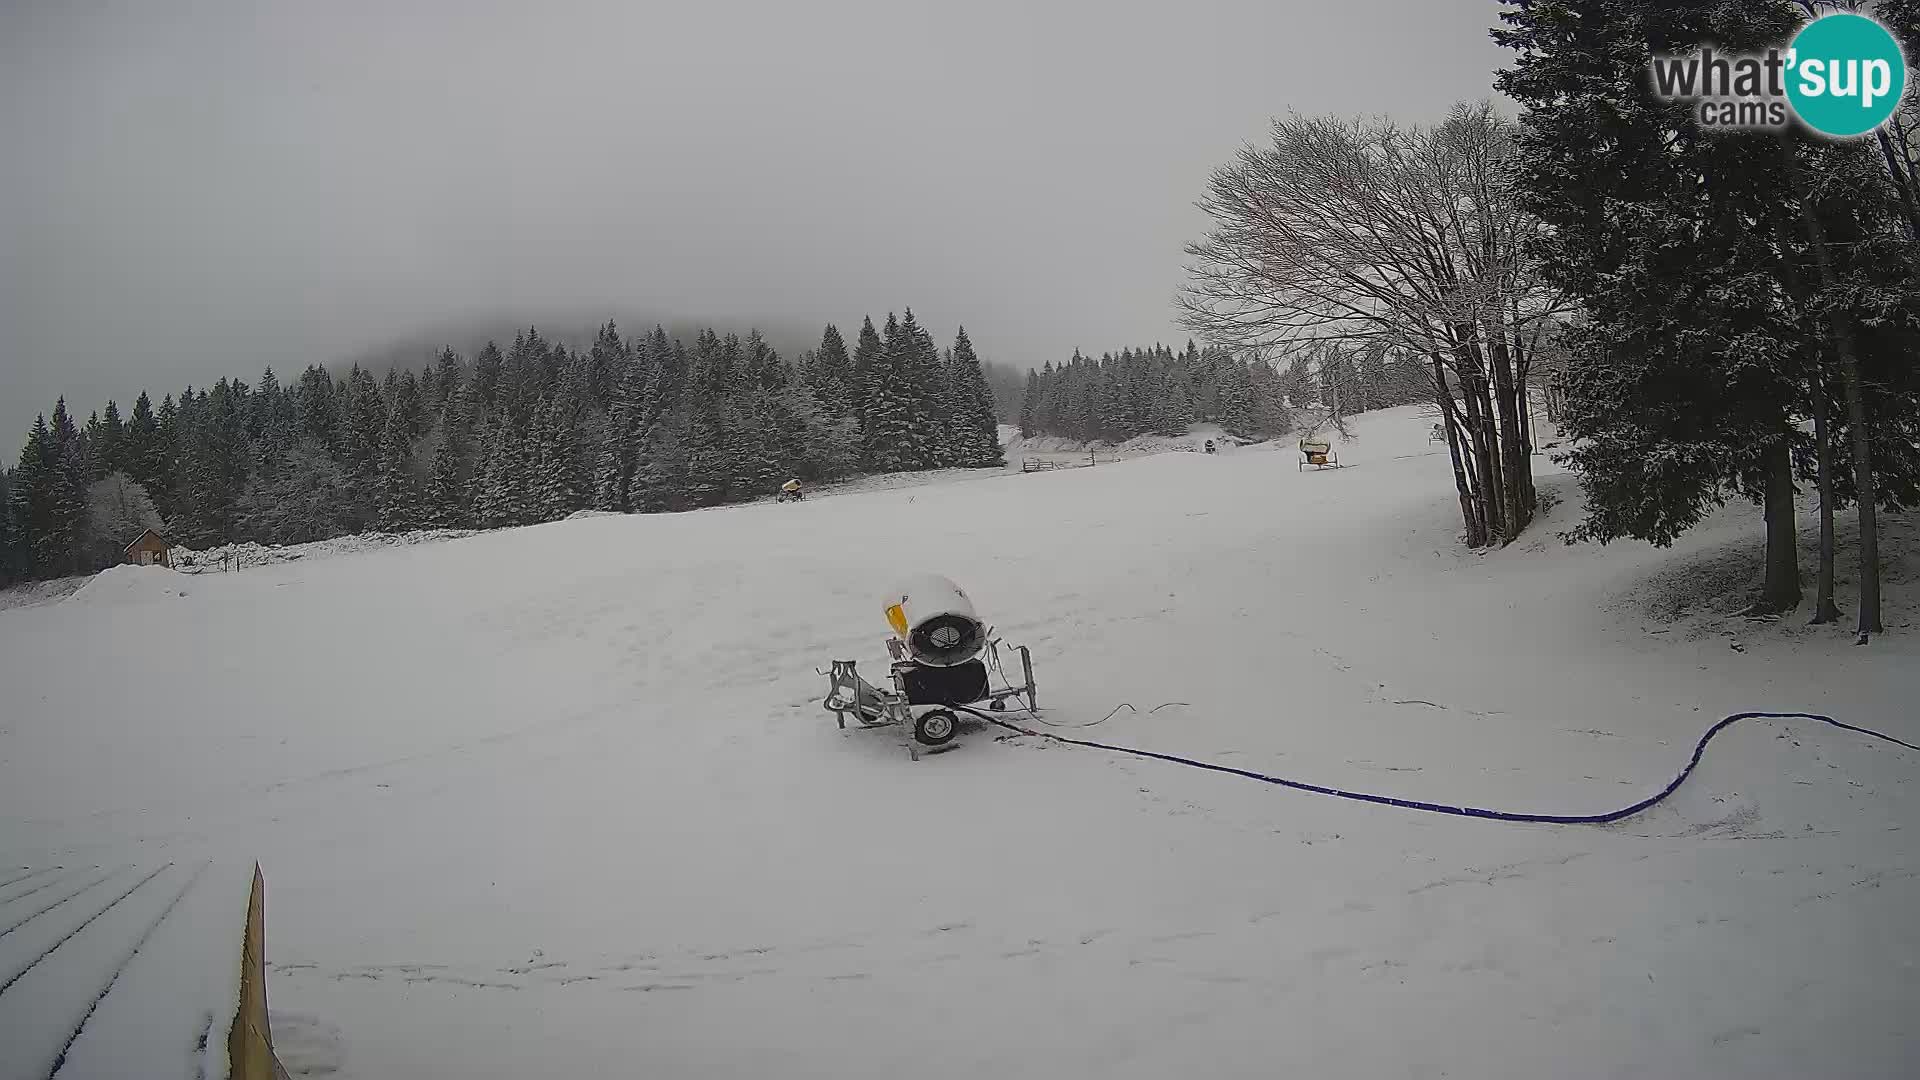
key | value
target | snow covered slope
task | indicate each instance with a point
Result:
(562, 800)
(1019, 448)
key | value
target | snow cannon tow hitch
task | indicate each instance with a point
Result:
(944, 657)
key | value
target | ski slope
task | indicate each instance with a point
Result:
(561, 800)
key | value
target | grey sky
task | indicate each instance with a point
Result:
(196, 189)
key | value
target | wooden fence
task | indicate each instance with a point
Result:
(1028, 465)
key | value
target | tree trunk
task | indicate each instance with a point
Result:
(1841, 327)
(1865, 489)
(1781, 591)
(1523, 369)
(1470, 515)
(1486, 446)
(1483, 438)
(1514, 460)
(1903, 183)
(1824, 609)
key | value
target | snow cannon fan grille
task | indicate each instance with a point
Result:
(945, 640)
(934, 622)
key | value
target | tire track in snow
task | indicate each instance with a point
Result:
(104, 877)
(140, 943)
(68, 936)
(29, 874)
(29, 891)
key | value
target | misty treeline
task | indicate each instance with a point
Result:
(1748, 303)
(527, 434)
(1160, 392)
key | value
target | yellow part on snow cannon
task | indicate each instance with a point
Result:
(935, 622)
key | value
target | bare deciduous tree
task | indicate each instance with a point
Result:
(1367, 233)
(118, 511)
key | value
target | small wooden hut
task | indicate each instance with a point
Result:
(149, 549)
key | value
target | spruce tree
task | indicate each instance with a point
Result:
(833, 379)
(1236, 398)
(1680, 383)
(64, 541)
(488, 367)
(111, 448)
(619, 456)
(867, 353)
(660, 461)
(215, 456)
(709, 463)
(764, 371)
(165, 480)
(496, 503)
(974, 421)
(560, 489)
(63, 429)
(305, 498)
(363, 422)
(398, 498)
(316, 408)
(927, 393)
(33, 500)
(1029, 406)
(72, 528)
(630, 412)
(607, 365)
(269, 411)
(754, 438)
(12, 565)
(446, 381)
(1269, 416)
(407, 402)
(660, 481)
(141, 454)
(448, 496)
(890, 441)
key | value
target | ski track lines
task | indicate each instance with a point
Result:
(137, 964)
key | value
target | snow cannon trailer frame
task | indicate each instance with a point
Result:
(924, 696)
(1318, 453)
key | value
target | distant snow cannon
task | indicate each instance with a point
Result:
(944, 655)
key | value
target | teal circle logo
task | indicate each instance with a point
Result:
(1846, 75)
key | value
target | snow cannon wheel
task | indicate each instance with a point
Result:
(936, 727)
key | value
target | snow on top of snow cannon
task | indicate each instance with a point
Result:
(935, 620)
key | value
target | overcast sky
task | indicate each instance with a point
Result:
(195, 189)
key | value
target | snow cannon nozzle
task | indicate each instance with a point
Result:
(935, 622)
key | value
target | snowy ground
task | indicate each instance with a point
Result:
(561, 800)
(35, 593)
(232, 557)
(1063, 451)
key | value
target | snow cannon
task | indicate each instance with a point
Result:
(945, 658)
(934, 622)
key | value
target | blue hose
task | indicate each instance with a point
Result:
(1699, 748)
